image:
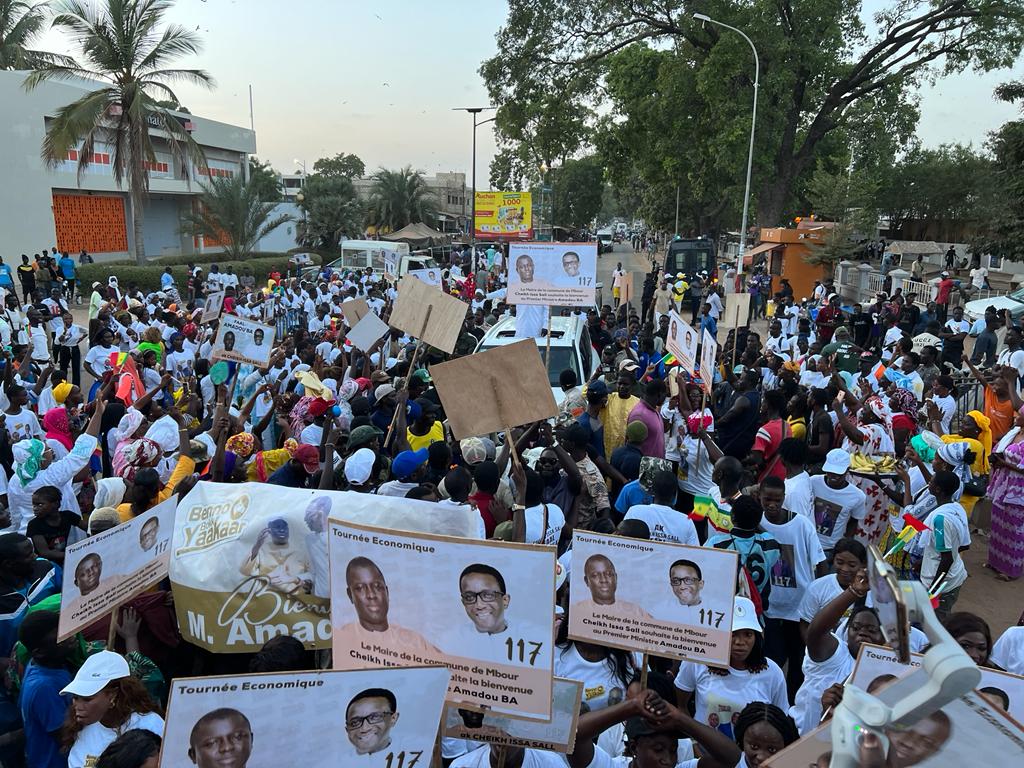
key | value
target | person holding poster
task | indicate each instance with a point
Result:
(367, 590)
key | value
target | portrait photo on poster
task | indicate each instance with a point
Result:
(708, 355)
(428, 276)
(212, 307)
(484, 614)
(333, 718)
(665, 599)
(105, 570)
(682, 341)
(243, 341)
(552, 274)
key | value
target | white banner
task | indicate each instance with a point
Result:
(552, 274)
(243, 341)
(682, 342)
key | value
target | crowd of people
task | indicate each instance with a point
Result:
(814, 442)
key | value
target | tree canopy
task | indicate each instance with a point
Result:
(342, 165)
(232, 211)
(265, 180)
(399, 198)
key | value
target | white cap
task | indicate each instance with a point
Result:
(359, 466)
(383, 391)
(98, 670)
(744, 615)
(837, 462)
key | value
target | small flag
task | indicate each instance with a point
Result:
(910, 530)
(669, 360)
(705, 508)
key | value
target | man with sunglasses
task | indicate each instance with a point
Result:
(369, 718)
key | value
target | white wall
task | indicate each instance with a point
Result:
(283, 238)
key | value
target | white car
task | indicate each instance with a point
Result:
(1013, 301)
(570, 347)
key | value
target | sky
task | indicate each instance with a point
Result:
(380, 79)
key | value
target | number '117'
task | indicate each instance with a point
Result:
(517, 650)
(392, 760)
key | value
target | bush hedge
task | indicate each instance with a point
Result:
(148, 277)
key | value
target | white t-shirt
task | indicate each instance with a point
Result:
(978, 275)
(694, 478)
(23, 425)
(947, 407)
(834, 508)
(600, 685)
(799, 552)
(93, 739)
(99, 358)
(818, 676)
(948, 531)
(727, 694)
(799, 498)
(535, 521)
(666, 524)
(1008, 651)
(532, 758)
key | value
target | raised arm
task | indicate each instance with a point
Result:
(821, 643)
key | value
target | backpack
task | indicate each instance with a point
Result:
(756, 561)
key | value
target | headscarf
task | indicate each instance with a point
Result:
(109, 492)
(955, 454)
(904, 401)
(985, 426)
(300, 415)
(348, 390)
(57, 427)
(242, 445)
(164, 432)
(27, 455)
(880, 409)
(106, 514)
(61, 392)
(129, 424)
(133, 455)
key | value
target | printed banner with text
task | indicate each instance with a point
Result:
(243, 341)
(250, 559)
(480, 608)
(503, 215)
(552, 274)
(669, 600)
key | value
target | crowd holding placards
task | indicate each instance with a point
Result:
(718, 565)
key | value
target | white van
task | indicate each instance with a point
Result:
(390, 259)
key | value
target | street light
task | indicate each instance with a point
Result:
(753, 122)
(474, 111)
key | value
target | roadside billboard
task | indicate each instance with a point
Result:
(504, 215)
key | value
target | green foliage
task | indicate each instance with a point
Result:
(399, 198)
(332, 209)
(845, 201)
(122, 47)
(576, 189)
(20, 24)
(265, 180)
(148, 277)
(1004, 231)
(230, 210)
(342, 165)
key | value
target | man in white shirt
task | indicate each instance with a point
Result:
(716, 303)
(979, 276)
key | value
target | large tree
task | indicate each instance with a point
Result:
(123, 46)
(332, 209)
(399, 198)
(823, 63)
(342, 165)
(265, 180)
(576, 191)
(232, 211)
(20, 24)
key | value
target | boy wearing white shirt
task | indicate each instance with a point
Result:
(948, 534)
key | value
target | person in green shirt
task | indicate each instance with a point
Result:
(847, 353)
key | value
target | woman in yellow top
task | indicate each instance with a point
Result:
(135, 462)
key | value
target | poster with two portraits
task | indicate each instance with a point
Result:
(243, 341)
(552, 274)
(481, 608)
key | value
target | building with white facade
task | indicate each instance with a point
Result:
(42, 207)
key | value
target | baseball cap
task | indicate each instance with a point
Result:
(945, 274)
(598, 387)
(308, 456)
(359, 466)
(744, 616)
(473, 450)
(421, 374)
(629, 365)
(837, 462)
(360, 436)
(98, 670)
(407, 462)
(383, 391)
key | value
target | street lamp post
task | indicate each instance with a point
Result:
(474, 111)
(753, 123)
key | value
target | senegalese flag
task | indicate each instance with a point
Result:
(912, 527)
(669, 360)
(705, 508)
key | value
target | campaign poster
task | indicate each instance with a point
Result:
(708, 355)
(391, 264)
(669, 600)
(212, 307)
(250, 559)
(428, 276)
(503, 215)
(556, 735)
(1002, 689)
(682, 342)
(110, 568)
(552, 274)
(243, 341)
(481, 608)
(382, 718)
(968, 731)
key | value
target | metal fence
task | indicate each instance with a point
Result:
(970, 397)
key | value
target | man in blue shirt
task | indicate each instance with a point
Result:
(166, 279)
(43, 708)
(6, 277)
(708, 323)
(67, 268)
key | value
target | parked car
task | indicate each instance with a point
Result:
(1013, 301)
(604, 241)
(570, 347)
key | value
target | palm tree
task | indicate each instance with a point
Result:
(125, 50)
(230, 210)
(399, 198)
(20, 24)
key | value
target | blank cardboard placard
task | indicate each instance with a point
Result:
(367, 332)
(354, 310)
(503, 387)
(737, 309)
(626, 288)
(440, 328)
